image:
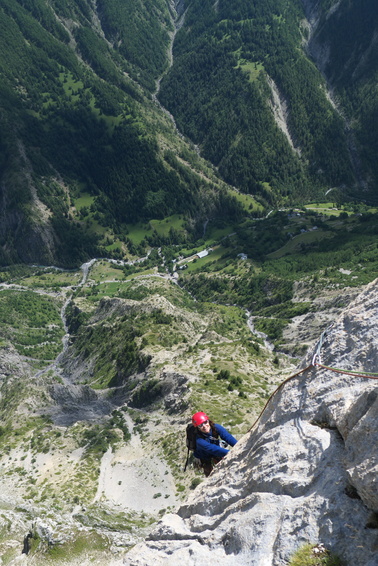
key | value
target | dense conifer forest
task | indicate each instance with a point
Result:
(228, 54)
(352, 70)
(261, 110)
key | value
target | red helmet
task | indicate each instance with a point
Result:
(199, 418)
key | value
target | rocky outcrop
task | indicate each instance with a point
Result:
(306, 472)
(279, 106)
(26, 232)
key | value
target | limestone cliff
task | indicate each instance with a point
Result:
(307, 472)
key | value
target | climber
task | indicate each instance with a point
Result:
(209, 437)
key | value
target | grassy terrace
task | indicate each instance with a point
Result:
(296, 244)
(32, 323)
(51, 279)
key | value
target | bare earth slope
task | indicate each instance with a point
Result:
(306, 473)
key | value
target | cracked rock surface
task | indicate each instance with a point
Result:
(306, 472)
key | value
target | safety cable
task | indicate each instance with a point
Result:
(314, 364)
(366, 374)
(316, 356)
(276, 391)
(320, 344)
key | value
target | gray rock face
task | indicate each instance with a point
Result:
(306, 472)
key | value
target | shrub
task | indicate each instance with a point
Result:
(314, 555)
(147, 393)
(195, 482)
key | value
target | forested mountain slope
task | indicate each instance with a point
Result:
(344, 43)
(241, 54)
(79, 117)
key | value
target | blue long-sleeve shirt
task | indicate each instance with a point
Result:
(207, 446)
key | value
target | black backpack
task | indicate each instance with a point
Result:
(191, 437)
